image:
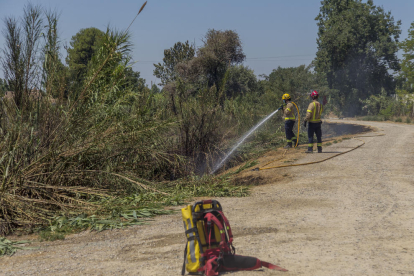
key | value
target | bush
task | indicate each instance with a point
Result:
(399, 120)
(373, 118)
(408, 120)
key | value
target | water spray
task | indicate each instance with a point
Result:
(242, 140)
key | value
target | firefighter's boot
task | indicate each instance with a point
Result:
(310, 150)
(319, 149)
(288, 146)
(294, 142)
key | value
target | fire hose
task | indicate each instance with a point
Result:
(314, 162)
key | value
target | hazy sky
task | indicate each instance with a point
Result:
(274, 32)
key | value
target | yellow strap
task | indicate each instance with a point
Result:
(297, 110)
(314, 111)
(310, 111)
(288, 109)
(290, 118)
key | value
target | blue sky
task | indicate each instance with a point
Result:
(274, 32)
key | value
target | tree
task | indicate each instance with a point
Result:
(357, 46)
(296, 81)
(221, 49)
(83, 46)
(178, 53)
(407, 64)
(19, 60)
(155, 89)
(133, 80)
(240, 81)
(292, 80)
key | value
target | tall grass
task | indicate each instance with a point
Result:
(63, 156)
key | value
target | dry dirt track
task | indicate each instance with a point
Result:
(351, 215)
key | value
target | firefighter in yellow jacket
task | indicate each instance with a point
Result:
(289, 117)
(313, 116)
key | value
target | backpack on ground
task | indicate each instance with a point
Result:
(209, 247)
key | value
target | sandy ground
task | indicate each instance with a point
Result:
(351, 215)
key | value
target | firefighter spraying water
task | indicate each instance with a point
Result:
(313, 116)
(290, 120)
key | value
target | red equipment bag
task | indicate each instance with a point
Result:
(214, 240)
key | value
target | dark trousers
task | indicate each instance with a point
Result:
(315, 128)
(289, 131)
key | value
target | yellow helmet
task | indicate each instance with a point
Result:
(286, 97)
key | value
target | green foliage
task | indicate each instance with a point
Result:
(296, 81)
(54, 78)
(180, 52)
(292, 80)
(83, 46)
(246, 166)
(408, 120)
(110, 152)
(3, 87)
(8, 247)
(220, 50)
(66, 156)
(377, 118)
(211, 186)
(407, 63)
(133, 80)
(399, 120)
(357, 46)
(387, 107)
(240, 81)
(63, 225)
(376, 103)
(19, 59)
(196, 93)
(155, 89)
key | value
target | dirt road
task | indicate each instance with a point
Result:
(351, 215)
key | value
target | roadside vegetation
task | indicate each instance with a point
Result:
(88, 146)
(85, 144)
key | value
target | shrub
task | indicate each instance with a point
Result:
(373, 118)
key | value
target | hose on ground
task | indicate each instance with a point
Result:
(315, 162)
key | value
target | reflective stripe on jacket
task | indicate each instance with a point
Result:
(288, 112)
(313, 114)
